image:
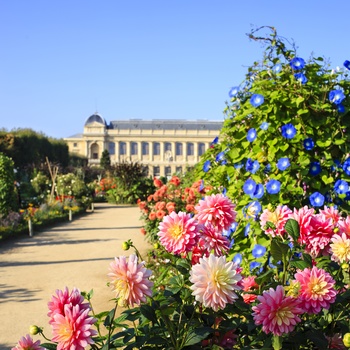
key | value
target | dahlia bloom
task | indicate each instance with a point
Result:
(278, 217)
(27, 343)
(331, 213)
(316, 289)
(210, 239)
(277, 313)
(216, 209)
(303, 217)
(130, 280)
(340, 248)
(57, 303)
(178, 232)
(214, 282)
(73, 329)
(344, 226)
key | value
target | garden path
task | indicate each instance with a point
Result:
(72, 254)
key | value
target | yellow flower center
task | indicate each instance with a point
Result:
(176, 231)
(318, 287)
(65, 332)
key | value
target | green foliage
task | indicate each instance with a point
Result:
(105, 161)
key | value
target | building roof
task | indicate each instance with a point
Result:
(95, 118)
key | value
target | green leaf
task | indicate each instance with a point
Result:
(265, 277)
(299, 100)
(299, 264)
(109, 319)
(49, 346)
(148, 312)
(327, 180)
(308, 259)
(276, 342)
(293, 229)
(196, 335)
(279, 250)
(176, 283)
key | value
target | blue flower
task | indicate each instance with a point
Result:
(258, 251)
(273, 186)
(341, 187)
(252, 166)
(346, 166)
(256, 100)
(264, 126)
(316, 199)
(206, 166)
(283, 164)
(259, 191)
(347, 64)
(251, 135)
(277, 68)
(238, 165)
(288, 131)
(253, 209)
(237, 259)
(341, 108)
(224, 191)
(214, 142)
(315, 168)
(297, 63)
(233, 91)
(267, 168)
(300, 77)
(249, 186)
(309, 144)
(220, 156)
(336, 96)
(232, 243)
(253, 265)
(247, 230)
(201, 187)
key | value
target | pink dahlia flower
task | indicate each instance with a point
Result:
(331, 213)
(73, 329)
(248, 283)
(303, 217)
(316, 289)
(27, 343)
(277, 313)
(178, 232)
(278, 217)
(214, 282)
(210, 239)
(344, 226)
(63, 298)
(130, 280)
(340, 248)
(216, 209)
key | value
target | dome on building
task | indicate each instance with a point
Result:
(95, 118)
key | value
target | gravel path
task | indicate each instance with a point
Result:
(72, 254)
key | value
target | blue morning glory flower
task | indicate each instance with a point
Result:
(232, 242)
(206, 166)
(238, 165)
(258, 251)
(341, 108)
(315, 168)
(252, 166)
(336, 96)
(297, 63)
(309, 144)
(347, 64)
(288, 131)
(346, 166)
(249, 186)
(341, 187)
(316, 199)
(264, 126)
(259, 191)
(247, 230)
(273, 186)
(233, 91)
(300, 77)
(220, 156)
(251, 135)
(253, 209)
(201, 187)
(256, 100)
(283, 164)
(277, 68)
(237, 259)
(253, 265)
(267, 168)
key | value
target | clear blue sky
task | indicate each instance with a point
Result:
(62, 60)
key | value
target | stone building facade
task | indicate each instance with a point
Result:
(164, 147)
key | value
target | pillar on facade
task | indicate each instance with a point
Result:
(128, 149)
(139, 150)
(150, 151)
(195, 151)
(117, 150)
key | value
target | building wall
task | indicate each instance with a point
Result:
(155, 144)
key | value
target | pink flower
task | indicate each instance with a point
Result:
(216, 209)
(130, 280)
(211, 239)
(303, 217)
(336, 342)
(73, 329)
(316, 289)
(178, 232)
(340, 248)
(249, 298)
(331, 213)
(278, 218)
(214, 282)
(344, 226)
(277, 313)
(248, 283)
(63, 298)
(27, 343)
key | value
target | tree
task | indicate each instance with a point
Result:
(105, 161)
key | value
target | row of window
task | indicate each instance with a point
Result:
(145, 148)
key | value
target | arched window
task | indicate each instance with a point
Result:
(201, 148)
(179, 149)
(95, 150)
(122, 148)
(145, 148)
(190, 149)
(133, 148)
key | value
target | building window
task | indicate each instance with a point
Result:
(122, 148)
(201, 148)
(75, 144)
(179, 170)
(179, 149)
(111, 148)
(145, 148)
(156, 171)
(145, 170)
(190, 149)
(167, 171)
(134, 148)
(167, 146)
(94, 151)
(156, 148)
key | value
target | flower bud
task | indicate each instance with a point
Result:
(33, 330)
(125, 245)
(346, 340)
(344, 266)
(156, 245)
